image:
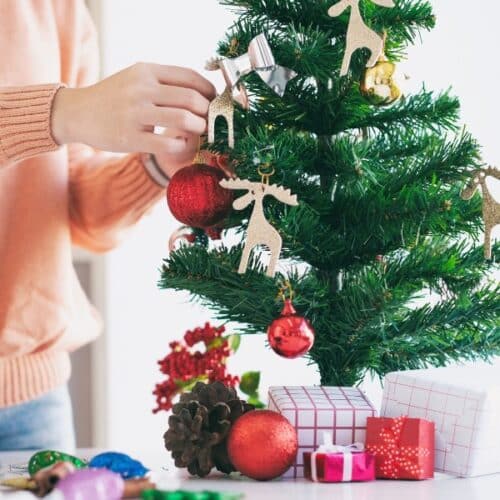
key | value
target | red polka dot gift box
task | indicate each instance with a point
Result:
(403, 447)
(341, 412)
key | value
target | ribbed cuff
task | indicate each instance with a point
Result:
(25, 121)
(28, 377)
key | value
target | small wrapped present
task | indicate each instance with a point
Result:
(341, 411)
(403, 447)
(332, 463)
(464, 403)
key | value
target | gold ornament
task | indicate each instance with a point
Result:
(222, 105)
(260, 231)
(380, 84)
(491, 207)
(358, 34)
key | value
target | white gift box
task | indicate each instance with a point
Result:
(464, 403)
(341, 411)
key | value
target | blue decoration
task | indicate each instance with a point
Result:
(120, 463)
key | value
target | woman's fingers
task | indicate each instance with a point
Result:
(184, 77)
(181, 119)
(183, 98)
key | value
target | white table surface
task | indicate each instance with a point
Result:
(441, 488)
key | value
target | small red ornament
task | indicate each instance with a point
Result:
(290, 335)
(262, 444)
(196, 198)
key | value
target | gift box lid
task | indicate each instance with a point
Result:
(319, 398)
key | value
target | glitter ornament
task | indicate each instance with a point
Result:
(491, 207)
(195, 197)
(190, 495)
(120, 463)
(262, 444)
(46, 458)
(380, 84)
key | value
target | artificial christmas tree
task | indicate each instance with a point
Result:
(380, 224)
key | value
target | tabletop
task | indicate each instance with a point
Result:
(441, 488)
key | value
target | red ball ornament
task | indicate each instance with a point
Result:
(262, 444)
(196, 198)
(290, 335)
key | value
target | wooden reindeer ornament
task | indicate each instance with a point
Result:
(359, 35)
(491, 207)
(260, 231)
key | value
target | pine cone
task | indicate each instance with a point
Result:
(199, 427)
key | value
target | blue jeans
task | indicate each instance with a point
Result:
(44, 423)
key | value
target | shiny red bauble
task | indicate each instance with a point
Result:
(262, 444)
(290, 335)
(196, 198)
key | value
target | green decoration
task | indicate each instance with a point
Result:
(381, 229)
(249, 384)
(46, 458)
(189, 495)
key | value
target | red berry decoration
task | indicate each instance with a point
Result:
(202, 355)
(262, 444)
(196, 198)
(290, 335)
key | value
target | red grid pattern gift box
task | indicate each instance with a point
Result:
(340, 411)
(403, 447)
(464, 404)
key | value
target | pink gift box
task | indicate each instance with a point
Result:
(340, 411)
(339, 467)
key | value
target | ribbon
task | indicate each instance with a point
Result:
(397, 459)
(260, 59)
(329, 447)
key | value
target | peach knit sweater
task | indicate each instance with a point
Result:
(51, 197)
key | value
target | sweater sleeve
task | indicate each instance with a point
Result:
(106, 196)
(25, 122)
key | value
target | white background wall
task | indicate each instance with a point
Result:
(141, 320)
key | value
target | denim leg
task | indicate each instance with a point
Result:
(44, 423)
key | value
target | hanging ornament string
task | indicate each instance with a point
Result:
(266, 171)
(286, 287)
(198, 157)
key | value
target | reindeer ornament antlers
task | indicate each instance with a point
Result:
(260, 231)
(358, 34)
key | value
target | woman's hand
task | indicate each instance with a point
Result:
(119, 113)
